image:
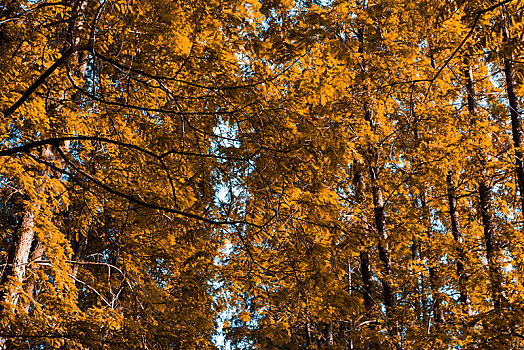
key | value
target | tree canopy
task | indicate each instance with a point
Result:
(284, 174)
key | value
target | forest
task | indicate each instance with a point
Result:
(261, 174)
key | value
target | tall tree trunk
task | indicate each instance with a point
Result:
(484, 191)
(380, 223)
(438, 312)
(421, 302)
(456, 230)
(18, 261)
(384, 256)
(37, 251)
(18, 258)
(495, 274)
(365, 269)
(380, 218)
(328, 334)
(383, 243)
(516, 121)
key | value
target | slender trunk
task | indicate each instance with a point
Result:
(380, 220)
(456, 230)
(433, 276)
(328, 334)
(421, 302)
(516, 121)
(484, 190)
(438, 312)
(383, 244)
(365, 271)
(309, 341)
(455, 227)
(384, 256)
(18, 261)
(380, 225)
(36, 253)
(495, 273)
(366, 280)
(383, 247)
(79, 253)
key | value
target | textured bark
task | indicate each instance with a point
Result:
(379, 218)
(516, 121)
(470, 89)
(18, 258)
(328, 334)
(20, 254)
(438, 312)
(380, 224)
(456, 230)
(79, 253)
(36, 253)
(365, 265)
(26, 243)
(384, 256)
(484, 191)
(383, 245)
(492, 250)
(309, 340)
(421, 304)
(18, 261)
(365, 270)
(366, 279)
(73, 40)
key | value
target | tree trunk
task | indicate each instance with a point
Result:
(18, 261)
(438, 313)
(380, 225)
(365, 270)
(495, 274)
(383, 244)
(456, 230)
(328, 334)
(484, 190)
(516, 121)
(18, 258)
(384, 256)
(416, 248)
(36, 253)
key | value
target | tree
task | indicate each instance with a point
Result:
(339, 175)
(108, 162)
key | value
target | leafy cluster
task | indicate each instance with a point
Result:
(299, 175)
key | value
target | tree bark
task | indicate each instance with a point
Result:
(365, 270)
(456, 230)
(516, 121)
(495, 273)
(18, 258)
(484, 191)
(380, 224)
(383, 244)
(18, 261)
(438, 312)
